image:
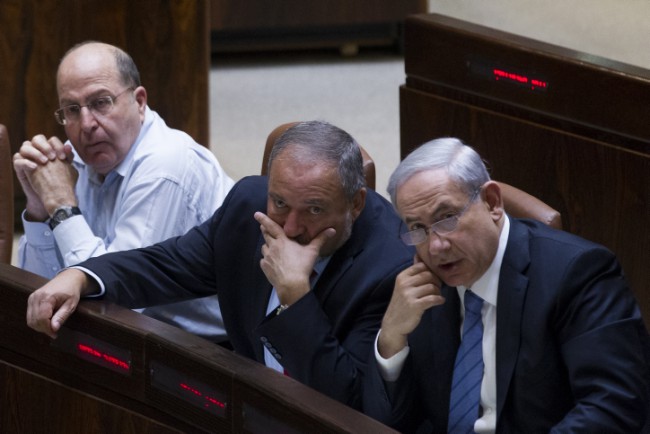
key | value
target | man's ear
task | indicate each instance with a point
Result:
(492, 197)
(359, 202)
(140, 94)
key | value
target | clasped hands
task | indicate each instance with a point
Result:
(45, 172)
(285, 262)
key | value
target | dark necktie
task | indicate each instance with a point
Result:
(468, 370)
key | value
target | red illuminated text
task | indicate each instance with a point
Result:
(90, 351)
(522, 79)
(209, 400)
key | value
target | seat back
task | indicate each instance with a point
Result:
(520, 204)
(6, 198)
(368, 163)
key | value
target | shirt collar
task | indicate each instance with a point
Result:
(487, 286)
(123, 167)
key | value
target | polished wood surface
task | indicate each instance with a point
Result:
(165, 380)
(6, 198)
(581, 145)
(169, 41)
(287, 24)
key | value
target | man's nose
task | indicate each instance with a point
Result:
(437, 243)
(87, 119)
(293, 226)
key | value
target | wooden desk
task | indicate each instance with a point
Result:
(115, 371)
(565, 126)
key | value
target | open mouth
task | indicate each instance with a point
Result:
(448, 266)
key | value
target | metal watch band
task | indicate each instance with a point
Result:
(63, 213)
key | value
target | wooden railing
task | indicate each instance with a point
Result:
(112, 370)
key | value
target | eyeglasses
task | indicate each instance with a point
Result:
(98, 106)
(442, 227)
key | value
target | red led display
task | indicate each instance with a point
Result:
(500, 74)
(94, 350)
(209, 400)
(512, 76)
(188, 389)
(101, 356)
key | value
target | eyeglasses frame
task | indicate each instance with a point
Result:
(60, 116)
(431, 229)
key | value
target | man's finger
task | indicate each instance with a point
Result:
(58, 148)
(268, 225)
(42, 145)
(322, 237)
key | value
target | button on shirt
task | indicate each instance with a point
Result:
(485, 287)
(166, 185)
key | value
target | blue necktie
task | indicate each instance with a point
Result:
(468, 370)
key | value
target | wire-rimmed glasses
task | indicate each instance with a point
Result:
(441, 227)
(98, 106)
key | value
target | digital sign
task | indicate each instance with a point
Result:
(93, 350)
(188, 389)
(507, 75)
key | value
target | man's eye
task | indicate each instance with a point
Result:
(279, 203)
(315, 210)
(101, 103)
(415, 227)
(446, 216)
(72, 110)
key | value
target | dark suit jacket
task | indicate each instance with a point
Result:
(323, 340)
(569, 349)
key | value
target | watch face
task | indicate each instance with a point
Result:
(60, 214)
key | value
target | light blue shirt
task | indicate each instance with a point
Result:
(166, 185)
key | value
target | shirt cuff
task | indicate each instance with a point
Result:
(102, 288)
(391, 368)
(37, 233)
(69, 231)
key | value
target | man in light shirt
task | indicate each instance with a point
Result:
(123, 180)
(564, 347)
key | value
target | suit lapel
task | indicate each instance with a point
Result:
(513, 284)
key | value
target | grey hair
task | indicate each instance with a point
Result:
(126, 68)
(324, 142)
(461, 162)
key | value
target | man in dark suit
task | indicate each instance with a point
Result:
(304, 263)
(561, 345)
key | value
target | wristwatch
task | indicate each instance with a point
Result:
(62, 213)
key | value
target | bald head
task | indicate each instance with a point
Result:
(103, 61)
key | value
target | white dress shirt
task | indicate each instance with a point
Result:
(485, 287)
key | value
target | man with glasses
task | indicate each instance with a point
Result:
(123, 180)
(501, 325)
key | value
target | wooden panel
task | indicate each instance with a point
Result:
(6, 198)
(260, 14)
(168, 39)
(579, 145)
(129, 373)
(63, 410)
(290, 24)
